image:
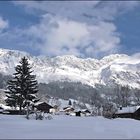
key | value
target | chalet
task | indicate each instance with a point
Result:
(83, 112)
(2, 106)
(10, 110)
(128, 112)
(78, 113)
(54, 110)
(43, 106)
(68, 109)
(13, 112)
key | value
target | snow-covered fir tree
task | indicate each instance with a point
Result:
(21, 90)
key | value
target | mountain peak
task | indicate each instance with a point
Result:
(116, 68)
(13, 52)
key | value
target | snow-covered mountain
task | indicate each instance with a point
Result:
(115, 68)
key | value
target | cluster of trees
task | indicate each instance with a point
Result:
(118, 94)
(22, 88)
(121, 95)
(67, 90)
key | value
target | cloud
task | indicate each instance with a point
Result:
(81, 28)
(3, 23)
(109, 10)
(86, 11)
(60, 36)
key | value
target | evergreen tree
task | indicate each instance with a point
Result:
(69, 103)
(23, 87)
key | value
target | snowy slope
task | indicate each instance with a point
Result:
(116, 68)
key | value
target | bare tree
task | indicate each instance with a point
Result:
(137, 96)
(109, 109)
(122, 95)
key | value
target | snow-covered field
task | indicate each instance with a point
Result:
(63, 127)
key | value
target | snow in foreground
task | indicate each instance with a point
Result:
(64, 127)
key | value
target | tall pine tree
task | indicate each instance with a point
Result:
(23, 87)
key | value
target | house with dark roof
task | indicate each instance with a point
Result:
(82, 112)
(4, 109)
(128, 112)
(68, 109)
(43, 106)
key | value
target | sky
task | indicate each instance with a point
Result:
(81, 28)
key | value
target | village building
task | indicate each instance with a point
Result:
(4, 109)
(82, 112)
(78, 113)
(128, 112)
(54, 110)
(85, 112)
(43, 106)
(68, 110)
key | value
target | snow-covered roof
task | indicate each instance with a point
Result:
(4, 106)
(38, 103)
(84, 110)
(68, 108)
(131, 109)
